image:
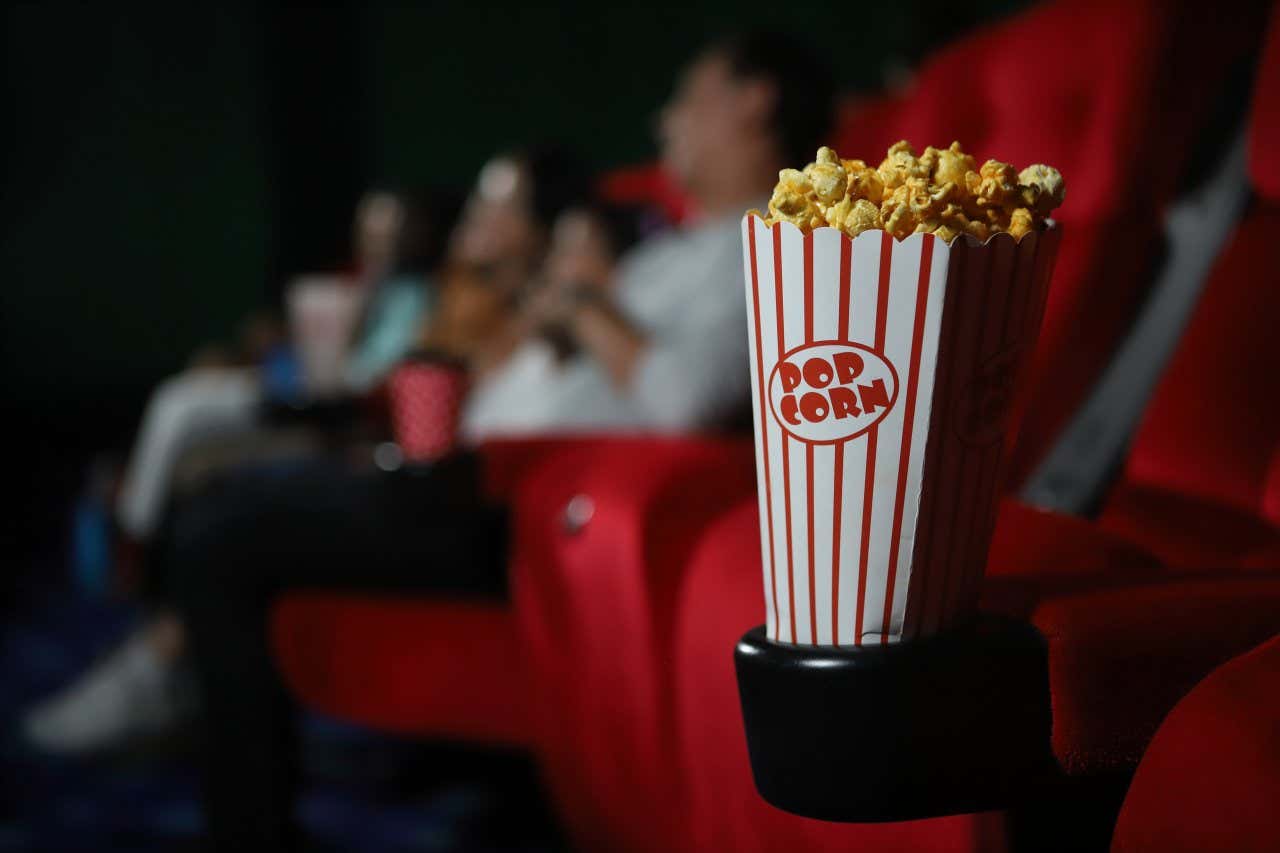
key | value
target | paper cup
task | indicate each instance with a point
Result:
(426, 398)
(884, 375)
(323, 312)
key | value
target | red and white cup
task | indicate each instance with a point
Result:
(884, 376)
(427, 394)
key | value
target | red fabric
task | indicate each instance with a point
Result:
(1201, 486)
(594, 608)
(646, 185)
(445, 667)
(1186, 532)
(1264, 142)
(1121, 657)
(507, 463)
(1035, 553)
(1214, 422)
(1103, 91)
(1210, 780)
(1197, 485)
(1271, 492)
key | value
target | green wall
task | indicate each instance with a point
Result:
(148, 198)
(451, 82)
(136, 209)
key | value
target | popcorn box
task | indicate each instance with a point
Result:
(426, 399)
(884, 376)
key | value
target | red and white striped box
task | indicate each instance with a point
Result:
(426, 400)
(884, 375)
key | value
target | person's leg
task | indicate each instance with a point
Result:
(185, 407)
(235, 550)
(127, 695)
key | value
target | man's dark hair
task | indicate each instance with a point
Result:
(805, 88)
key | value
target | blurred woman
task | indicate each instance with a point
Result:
(586, 244)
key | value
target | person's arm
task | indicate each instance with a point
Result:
(687, 376)
(605, 334)
(397, 315)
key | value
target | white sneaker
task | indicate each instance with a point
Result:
(125, 696)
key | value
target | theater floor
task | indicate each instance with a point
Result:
(366, 791)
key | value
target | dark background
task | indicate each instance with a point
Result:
(170, 166)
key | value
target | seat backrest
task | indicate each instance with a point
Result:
(1210, 779)
(1091, 88)
(1212, 428)
(646, 185)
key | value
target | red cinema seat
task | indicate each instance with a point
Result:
(449, 668)
(646, 185)
(1102, 91)
(1210, 780)
(1121, 655)
(445, 667)
(592, 599)
(1201, 486)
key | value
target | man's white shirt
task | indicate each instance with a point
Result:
(683, 291)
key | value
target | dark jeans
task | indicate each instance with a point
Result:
(231, 551)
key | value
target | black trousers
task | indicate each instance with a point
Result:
(229, 552)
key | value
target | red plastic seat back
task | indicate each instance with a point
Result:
(1210, 779)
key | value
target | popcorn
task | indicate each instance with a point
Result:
(864, 182)
(1020, 222)
(794, 201)
(993, 186)
(950, 165)
(827, 176)
(1041, 188)
(901, 164)
(941, 192)
(854, 216)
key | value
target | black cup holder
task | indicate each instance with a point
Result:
(953, 724)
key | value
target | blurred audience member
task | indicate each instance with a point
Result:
(538, 343)
(397, 244)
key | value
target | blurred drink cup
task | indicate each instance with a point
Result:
(323, 312)
(427, 392)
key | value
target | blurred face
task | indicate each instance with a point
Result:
(580, 252)
(710, 114)
(497, 226)
(379, 220)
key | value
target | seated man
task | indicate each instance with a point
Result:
(664, 348)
